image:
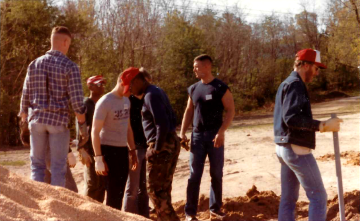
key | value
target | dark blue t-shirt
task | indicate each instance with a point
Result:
(136, 122)
(208, 106)
(89, 113)
(158, 117)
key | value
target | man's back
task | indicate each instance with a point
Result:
(52, 83)
(157, 114)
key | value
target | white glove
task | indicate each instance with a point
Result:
(100, 166)
(85, 158)
(71, 160)
(74, 143)
(330, 125)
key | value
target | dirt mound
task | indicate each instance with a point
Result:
(352, 207)
(256, 205)
(352, 157)
(263, 205)
(25, 199)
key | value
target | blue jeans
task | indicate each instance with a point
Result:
(296, 170)
(58, 138)
(202, 145)
(70, 183)
(136, 197)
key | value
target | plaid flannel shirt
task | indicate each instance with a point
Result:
(51, 85)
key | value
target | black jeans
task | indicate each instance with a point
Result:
(117, 160)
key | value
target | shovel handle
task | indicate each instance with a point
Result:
(338, 173)
(77, 132)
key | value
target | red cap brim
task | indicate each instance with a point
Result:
(126, 88)
(321, 66)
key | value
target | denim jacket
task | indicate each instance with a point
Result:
(293, 121)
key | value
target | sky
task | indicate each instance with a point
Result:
(255, 9)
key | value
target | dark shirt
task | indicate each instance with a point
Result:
(208, 106)
(293, 120)
(136, 122)
(90, 107)
(158, 116)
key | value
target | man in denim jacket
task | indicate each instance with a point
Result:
(294, 130)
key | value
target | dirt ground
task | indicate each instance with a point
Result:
(263, 205)
(25, 199)
(251, 164)
(351, 157)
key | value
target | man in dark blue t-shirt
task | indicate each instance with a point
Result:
(159, 123)
(208, 98)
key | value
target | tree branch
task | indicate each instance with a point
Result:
(356, 10)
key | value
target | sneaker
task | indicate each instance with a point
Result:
(217, 214)
(190, 218)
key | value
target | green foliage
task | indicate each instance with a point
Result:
(25, 29)
(180, 44)
(308, 27)
(252, 58)
(25, 35)
(343, 47)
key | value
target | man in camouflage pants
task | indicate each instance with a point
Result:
(161, 168)
(159, 124)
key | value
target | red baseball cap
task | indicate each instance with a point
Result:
(310, 55)
(96, 79)
(127, 76)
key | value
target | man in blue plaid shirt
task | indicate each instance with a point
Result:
(51, 85)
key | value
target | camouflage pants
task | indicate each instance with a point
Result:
(161, 168)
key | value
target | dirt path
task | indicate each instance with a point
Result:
(250, 155)
(251, 160)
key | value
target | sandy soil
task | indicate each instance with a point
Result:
(250, 156)
(25, 199)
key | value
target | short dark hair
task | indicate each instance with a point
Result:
(203, 57)
(143, 75)
(61, 30)
(299, 63)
